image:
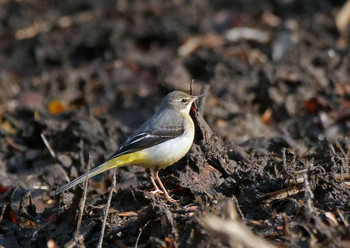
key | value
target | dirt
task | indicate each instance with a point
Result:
(274, 139)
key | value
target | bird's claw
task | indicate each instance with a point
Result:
(171, 199)
(156, 191)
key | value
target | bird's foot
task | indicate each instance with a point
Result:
(157, 191)
(168, 197)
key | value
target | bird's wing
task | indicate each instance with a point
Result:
(162, 126)
(145, 139)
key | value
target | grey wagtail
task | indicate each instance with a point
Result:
(161, 141)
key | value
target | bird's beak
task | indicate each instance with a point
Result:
(194, 98)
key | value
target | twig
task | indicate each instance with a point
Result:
(54, 155)
(233, 230)
(201, 104)
(2, 213)
(13, 194)
(141, 230)
(286, 230)
(230, 210)
(297, 186)
(237, 208)
(283, 193)
(78, 237)
(341, 215)
(342, 150)
(345, 157)
(332, 149)
(174, 229)
(342, 19)
(191, 84)
(309, 195)
(284, 159)
(106, 213)
(48, 145)
(72, 243)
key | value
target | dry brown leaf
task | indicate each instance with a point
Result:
(56, 107)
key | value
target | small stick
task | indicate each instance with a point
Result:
(283, 193)
(284, 159)
(106, 212)
(78, 237)
(309, 195)
(54, 155)
(233, 231)
(48, 145)
(141, 230)
(72, 243)
(13, 194)
(201, 103)
(230, 211)
(341, 150)
(341, 215)
(297, 186)
(191, 84)
(82, 206)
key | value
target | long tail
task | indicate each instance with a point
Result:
(123, 160)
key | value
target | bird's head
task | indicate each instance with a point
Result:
(180, 101)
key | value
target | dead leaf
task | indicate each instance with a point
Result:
(266, 117)
(29, 224)
(128, 214)
(7, 213)
(56, 107)
(170, 242)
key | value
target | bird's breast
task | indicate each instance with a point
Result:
(171, 151)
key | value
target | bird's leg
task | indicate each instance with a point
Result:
(155, 173)
(156, 189)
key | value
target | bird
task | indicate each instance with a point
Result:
(161, 141)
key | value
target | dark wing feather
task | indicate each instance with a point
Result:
(147, 139)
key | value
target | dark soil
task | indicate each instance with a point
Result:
(85, 74)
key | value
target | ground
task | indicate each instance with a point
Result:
(271, 154)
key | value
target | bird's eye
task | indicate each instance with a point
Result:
(184, 100)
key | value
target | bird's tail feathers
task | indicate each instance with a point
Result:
(115, 162)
